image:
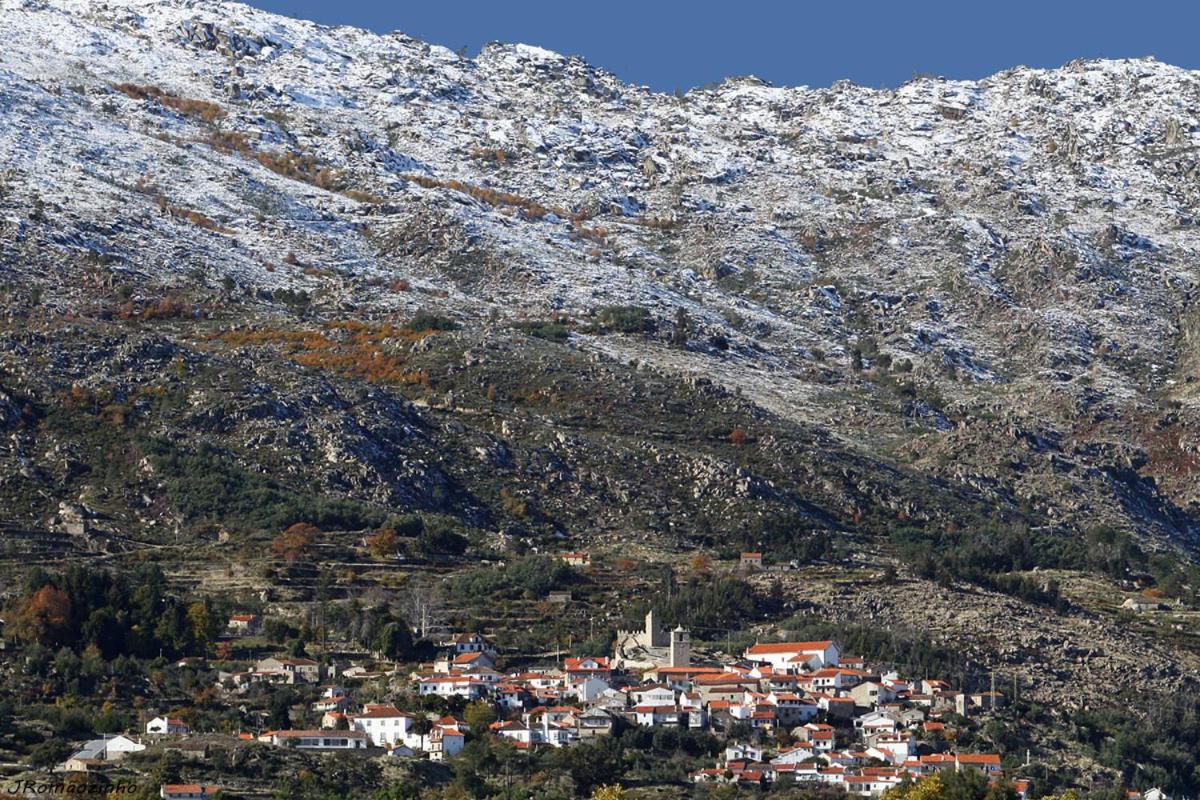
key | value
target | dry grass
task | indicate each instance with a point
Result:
(100, 402)
(493, 197)
(197, 218)
(494, 154)
(297, 166)
(364, 197)
(302, 167)
(658, 223)
(145, 185)
(164, 308)
(197, 109)
(349, 348)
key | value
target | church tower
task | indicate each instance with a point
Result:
(681, 648)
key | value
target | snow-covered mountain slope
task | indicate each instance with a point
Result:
(992, 282)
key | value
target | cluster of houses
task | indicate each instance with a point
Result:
(861, 770)
(843, 715)
(848, 723)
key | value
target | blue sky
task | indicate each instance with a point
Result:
(668, 45)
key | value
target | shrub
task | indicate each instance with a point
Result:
(440, 539)
(202, 483)
(624, 319)
(557, 330)
(707, 604)
(428, 321)
(535, 575)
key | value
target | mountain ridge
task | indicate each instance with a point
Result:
(893, 265)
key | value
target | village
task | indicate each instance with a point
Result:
(791, 711)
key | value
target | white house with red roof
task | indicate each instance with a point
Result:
(819, 736)
(168, 726)
(899, 746)
(510, 696)
(452, 685)
(471, 643)
(579, 669)
(794, 656)
(445, 741)
(333, 698)
(473, 660)
(577, 559)
(791, 708)
(385, 724)
(795, 754)
(657, 715)
(244, 624)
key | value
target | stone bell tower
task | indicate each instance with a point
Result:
(681, 648)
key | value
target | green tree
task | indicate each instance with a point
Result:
(478, 716)
(394, 641)
(201, 625)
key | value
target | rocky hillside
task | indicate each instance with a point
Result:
(255, 269)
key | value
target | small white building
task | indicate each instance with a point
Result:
(653, 696)
(167, 726)
(244, 625)
(386, 725)
(588, 690)
(445, 742)
(577, 559)
(453, 685)
(515, 731)
(317, 740)
(97, 751)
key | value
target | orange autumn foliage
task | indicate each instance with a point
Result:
(45, 617)
(362, 350)
(295, 541)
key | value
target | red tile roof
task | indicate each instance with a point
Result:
(979, 758)
(769, 648)
(189, 788)
(376, 712)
